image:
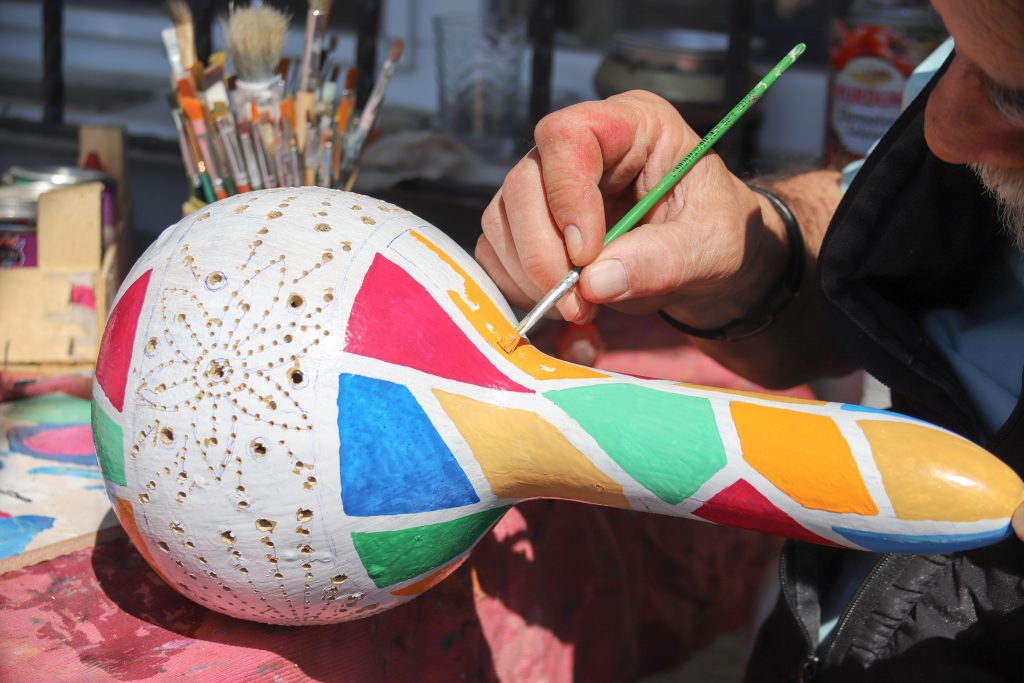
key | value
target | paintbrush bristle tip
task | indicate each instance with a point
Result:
(509, 343)
(396, 50)
(256, 36)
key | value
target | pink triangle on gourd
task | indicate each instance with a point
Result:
(394, 319)
(116, 347)
(743, 506)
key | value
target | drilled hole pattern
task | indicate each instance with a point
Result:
(223, 455)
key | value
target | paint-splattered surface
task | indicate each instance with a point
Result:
(557, 592)
(51, 489)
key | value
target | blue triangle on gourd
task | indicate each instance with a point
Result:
(393, 461)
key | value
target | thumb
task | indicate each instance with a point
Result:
(651, 262)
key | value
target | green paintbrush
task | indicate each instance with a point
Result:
(633, 216)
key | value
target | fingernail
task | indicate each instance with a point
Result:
(608, 279)
(573, 241)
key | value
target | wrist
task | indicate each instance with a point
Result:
(773, 280)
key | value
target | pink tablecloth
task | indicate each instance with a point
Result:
(556, 592)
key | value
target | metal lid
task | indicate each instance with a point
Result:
(683, 49)
(54, 175)
(18, 203)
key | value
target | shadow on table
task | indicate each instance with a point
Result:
(147, 627)
(557, 591)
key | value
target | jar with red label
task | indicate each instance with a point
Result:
(876, 44)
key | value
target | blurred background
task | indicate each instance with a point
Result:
(114, 70)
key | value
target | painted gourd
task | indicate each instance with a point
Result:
(303, 416)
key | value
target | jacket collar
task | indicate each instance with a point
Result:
(911, 233)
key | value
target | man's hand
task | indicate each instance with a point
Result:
(709, 252)
(706, 252)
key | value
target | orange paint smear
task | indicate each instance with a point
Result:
(126, 515)
(804, 455)
(425, 584)
(492, 326)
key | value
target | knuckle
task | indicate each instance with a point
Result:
(556, 127)
(515, 179)
(563, 197)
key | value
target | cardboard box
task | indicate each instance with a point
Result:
(52, 316)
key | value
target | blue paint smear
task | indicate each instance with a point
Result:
(17, 532)
(853, 407)
(67, 472)
(923, 543)
(393, 461)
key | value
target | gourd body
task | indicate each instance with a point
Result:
(303, 415)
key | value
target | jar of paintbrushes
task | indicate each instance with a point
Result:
(251, 118)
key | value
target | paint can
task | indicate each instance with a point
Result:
(19, 245)
(45, 178)
(875, 46)
(688, 67)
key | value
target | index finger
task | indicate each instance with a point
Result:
(597, 150)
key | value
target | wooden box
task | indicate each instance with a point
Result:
(52, 316)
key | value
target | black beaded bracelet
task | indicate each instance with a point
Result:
(772, 307)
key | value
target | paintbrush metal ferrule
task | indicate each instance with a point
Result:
(186, 153)
(376, 98)
(541, 308)
(262, 157)
(306, 70)
(204, 178)
(249, 155)
(226, 129)
(354, 147)
(313, 46)
(194, 111)
(170, 38)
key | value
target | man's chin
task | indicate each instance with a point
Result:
(1006, 185)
